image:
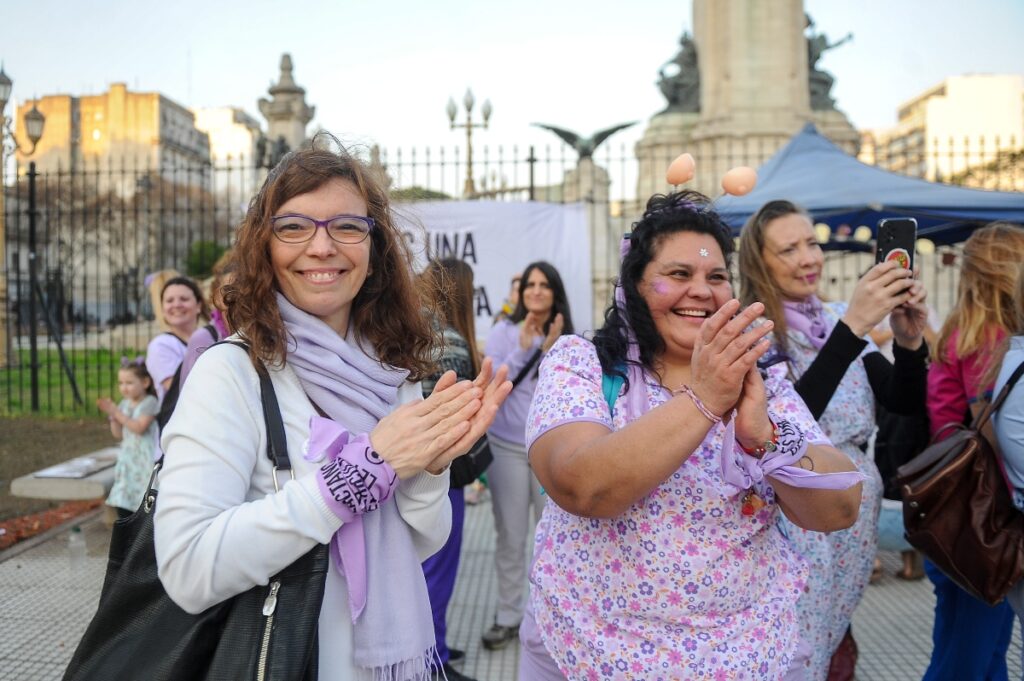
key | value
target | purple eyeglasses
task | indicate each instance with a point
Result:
(295, 228)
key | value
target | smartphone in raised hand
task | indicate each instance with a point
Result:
(896, 240)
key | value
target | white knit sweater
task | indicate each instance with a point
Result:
(221, 528)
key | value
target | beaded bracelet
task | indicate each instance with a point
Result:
(768, 446)
(708, 414)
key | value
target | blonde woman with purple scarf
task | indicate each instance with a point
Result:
(839, 373)
(323, 296)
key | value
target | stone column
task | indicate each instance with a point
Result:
(754, 93)
(589, 183)
(667, 135)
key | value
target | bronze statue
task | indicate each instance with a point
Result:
(585, 146)
(681, 84)
(819, 81)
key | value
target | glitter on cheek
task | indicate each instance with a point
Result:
(659, 287)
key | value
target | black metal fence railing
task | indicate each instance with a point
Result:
(77, 248)
(69, 313)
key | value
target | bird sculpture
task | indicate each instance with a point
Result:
(585, 146)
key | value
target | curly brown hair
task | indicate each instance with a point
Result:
(387, 311)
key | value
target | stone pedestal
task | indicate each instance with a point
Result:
(754, 92)
(667, 136)
(834, 125)
(754, 96)
(588, 184)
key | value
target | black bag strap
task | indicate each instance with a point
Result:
(277, 443)
(176, 337)
(986, 414)
(532, 362)
(994, 405)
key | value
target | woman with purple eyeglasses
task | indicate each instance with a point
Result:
(667, 459)
(322, 293)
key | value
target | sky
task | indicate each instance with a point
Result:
(382, 71)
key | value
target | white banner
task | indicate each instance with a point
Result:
(499, 240)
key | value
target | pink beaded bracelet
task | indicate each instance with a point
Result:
(697, 403)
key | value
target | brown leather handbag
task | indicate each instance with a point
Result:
(958, 511)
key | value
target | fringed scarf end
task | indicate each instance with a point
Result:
(421, 668)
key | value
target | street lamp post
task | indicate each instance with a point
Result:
(468, 101)
(34, 121)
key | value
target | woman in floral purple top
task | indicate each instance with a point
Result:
(659, 555)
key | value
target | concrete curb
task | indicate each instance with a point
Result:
(31, 542)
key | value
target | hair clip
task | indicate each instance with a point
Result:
(128, 362)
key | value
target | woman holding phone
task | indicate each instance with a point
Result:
(839, 373)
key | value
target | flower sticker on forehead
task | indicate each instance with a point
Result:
(704, 253)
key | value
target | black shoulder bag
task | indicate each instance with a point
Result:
(138, 632)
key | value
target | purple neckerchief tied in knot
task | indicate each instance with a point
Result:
(745, 471)
(808, 318)
(354, 481)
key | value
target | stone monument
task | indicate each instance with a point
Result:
(830, 121)
(588, 183)
(669, 130)
(287, 115)
(742, 86)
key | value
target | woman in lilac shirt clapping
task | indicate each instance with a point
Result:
(520, 342)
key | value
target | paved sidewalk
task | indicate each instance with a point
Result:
(45, 608)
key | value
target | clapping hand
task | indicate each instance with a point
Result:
(753, 426)
(531, 328)
(428, 434)
(725, 352)
(554, 331)
(495, 388)
(416, 433)
(106, 405)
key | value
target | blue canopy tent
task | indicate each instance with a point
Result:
(837, 189)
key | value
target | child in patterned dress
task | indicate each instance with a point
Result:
(133, 422)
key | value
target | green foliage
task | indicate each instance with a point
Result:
(202, 255)
(95, 373)
(418, 194)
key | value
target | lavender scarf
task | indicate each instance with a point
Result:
(394, 634)
(807, 318)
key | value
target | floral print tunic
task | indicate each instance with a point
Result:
(682, 585)
(135, 460)
(840, 562)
